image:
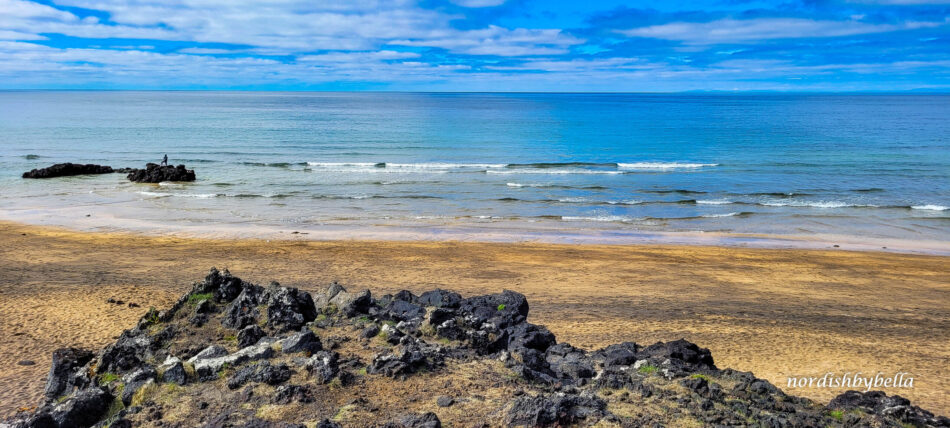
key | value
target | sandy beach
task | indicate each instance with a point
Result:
(777, 313)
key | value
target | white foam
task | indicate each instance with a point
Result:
(930, 207)
(715, 202)
(553, 171)
(608, 218)
(817, 204)
(733, 214)
(663, 165)
(155, 194)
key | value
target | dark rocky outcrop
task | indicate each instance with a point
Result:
(154, 173)
(277, 356)
(68, 169)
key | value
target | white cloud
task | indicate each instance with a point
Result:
(754, 30)
(499, 41)
(478, 3)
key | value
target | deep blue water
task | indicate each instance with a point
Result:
(857, 165)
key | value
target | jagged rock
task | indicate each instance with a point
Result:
(125, 354)
(554, 384)
(327, 424)
(66, 373)
(173, 371)
(249, 335)
(207, 366)
(556, 410)
(286, 394)
(68, 169)
(289, 308)
(425, 420)
(262, 372)
(895, 406)
(351, 304)
(411, 357)
(243, 309)
(82, 409)
(440, 298)
(131, 388)
(301, 342)
(323, 366)
(154, 173)
(569, 363)
(370, 331)
(679, 357)
(502, 310)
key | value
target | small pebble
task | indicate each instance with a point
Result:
(26, 363)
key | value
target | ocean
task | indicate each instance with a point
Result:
(868, 169)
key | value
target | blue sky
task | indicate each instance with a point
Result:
(476, 45)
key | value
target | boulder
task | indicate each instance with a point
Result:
(82, 409)
(66, 372)
(304, 341)
(263, 372)
(556, 410)
(323, 366)
(249, 335)
(286, 394)
(894, 406)
(207, 366)
(440, 298)
(68, 169)
(173, 371)
(243, 309)
(288, 308)
(423, 420)
(154, 173)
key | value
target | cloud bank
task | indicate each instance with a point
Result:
(474, 45)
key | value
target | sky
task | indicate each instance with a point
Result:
(477, 45)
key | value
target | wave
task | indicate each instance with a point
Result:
(779, 194)
(677, 191)
(31, 157)
(274, 164)
(555, 171)
(868, 190)
(716, 202)
(604, 218)
(732, 214)
(214, 195)
(376, 197)
(554, 186)
(816, 204)
(544, 165)
(930, 207)
(664, 165)
(505, 168)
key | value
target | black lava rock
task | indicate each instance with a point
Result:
(154, 173)
(68, 169)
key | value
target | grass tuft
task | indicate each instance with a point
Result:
(195, 298)
(647, 369)
(838, 415)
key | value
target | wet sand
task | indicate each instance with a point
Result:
(773, 312)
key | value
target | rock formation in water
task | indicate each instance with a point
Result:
(67, 169)
(232, 353)
(154, 173)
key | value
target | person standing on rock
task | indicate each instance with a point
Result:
(165, 160)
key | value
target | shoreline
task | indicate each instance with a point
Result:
(490, 232)
(775, 312)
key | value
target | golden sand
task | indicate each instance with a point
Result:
(773, 312)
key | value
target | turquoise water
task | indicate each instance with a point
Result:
(617, 165)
